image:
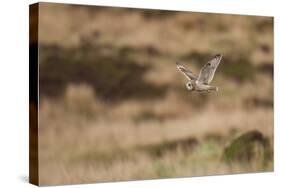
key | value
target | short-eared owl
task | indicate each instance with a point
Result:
(206, 75)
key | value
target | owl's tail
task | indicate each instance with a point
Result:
(213, 88)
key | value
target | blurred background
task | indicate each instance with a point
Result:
(113, 105)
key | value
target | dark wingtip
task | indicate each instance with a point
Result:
(218, 56)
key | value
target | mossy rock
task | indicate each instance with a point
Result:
(251, 146)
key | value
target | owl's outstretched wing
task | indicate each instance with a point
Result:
(208, 71)
(186, 72)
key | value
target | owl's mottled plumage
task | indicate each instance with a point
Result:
(206, 75)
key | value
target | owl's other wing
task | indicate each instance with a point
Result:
(186, 72)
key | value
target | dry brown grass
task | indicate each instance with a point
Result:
(76, 148)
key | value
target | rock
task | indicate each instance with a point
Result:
(250, 146)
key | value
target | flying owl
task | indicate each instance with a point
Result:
(206, 75)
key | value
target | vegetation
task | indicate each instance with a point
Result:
(113, 77)
(249, 147)
(114, 107)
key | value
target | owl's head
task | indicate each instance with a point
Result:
(189, 86)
